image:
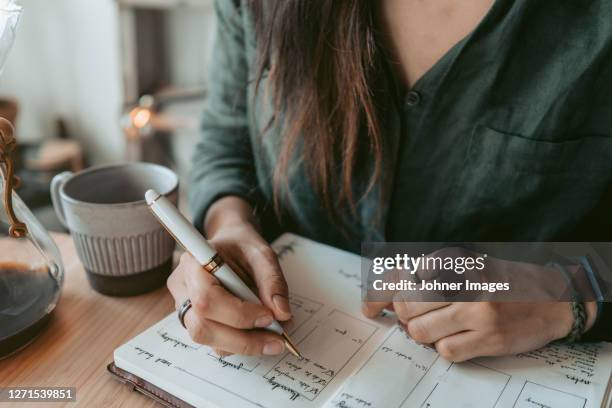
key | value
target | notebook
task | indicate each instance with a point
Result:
(352, 361)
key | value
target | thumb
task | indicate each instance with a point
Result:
(271, 283)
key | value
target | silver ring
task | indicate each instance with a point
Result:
(185, 306)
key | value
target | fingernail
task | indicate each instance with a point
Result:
(281, 303)
(263, 321)
(273, 348)
(288, 325)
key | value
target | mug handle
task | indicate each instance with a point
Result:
(56, 185)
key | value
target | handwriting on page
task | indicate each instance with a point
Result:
(326, 350)
(302, 309)
(147, 355)
(577, 362)
(391, 369)
(176, 340)
(535, 395)
(353, 277)
(408, 362)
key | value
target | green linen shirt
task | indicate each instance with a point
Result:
(507, 138)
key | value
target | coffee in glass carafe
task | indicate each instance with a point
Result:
(31, 271)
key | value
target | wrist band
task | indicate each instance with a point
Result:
(577, 307)
(579, 313)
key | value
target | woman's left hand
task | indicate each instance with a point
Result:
(464, 330)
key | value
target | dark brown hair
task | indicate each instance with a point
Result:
(322, 60)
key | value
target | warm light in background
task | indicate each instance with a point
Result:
(140, 117)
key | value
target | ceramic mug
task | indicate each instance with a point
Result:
(124, 249)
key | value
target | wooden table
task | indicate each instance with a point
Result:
(78, 343)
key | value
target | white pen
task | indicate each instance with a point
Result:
(193, 242)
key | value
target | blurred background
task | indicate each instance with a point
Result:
(105, 81)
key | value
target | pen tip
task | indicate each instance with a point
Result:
(291, 347)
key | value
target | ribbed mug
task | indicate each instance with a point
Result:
(124, 249)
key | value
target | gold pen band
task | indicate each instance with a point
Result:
(215, 263)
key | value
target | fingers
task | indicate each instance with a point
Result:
(212, 301)
(221, 353)
(177, 288)
(232, 340)
(217, 318)
(460, 347)
(409, 310)
(404, 310)
(435, 325)
(216, 303)
(373, 309)
(244, 247)
(273, 290)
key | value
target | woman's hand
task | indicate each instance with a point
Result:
(218, 318)
(464, 330)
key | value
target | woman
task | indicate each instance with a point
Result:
(402, 120)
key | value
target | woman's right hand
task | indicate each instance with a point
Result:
(218, 318)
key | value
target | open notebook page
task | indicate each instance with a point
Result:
(328, 329)
(355, 362)
(401, 373)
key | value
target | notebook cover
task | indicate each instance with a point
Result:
(146, 388)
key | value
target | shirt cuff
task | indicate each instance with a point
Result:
(205, 193)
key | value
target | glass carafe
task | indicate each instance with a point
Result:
(31, 270)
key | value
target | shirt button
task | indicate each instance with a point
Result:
(413, 98)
